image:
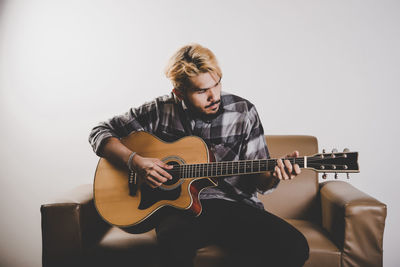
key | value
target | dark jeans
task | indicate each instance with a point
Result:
(253, 237)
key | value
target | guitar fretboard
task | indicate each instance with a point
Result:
(229, 168)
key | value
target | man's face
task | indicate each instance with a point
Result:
(205, 93)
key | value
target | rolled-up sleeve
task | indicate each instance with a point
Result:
(144, 118)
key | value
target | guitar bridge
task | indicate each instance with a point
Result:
(132, 183)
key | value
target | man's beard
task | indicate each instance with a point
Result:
(200, 114)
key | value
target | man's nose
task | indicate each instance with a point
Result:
(212, 94)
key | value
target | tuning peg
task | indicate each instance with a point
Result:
(348, 175)
(334, 150)
(324, 176)
(346, 150)
(336, 175)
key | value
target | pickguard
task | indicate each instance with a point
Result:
(151, 196)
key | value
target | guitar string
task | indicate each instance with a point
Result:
(218, 165)
(219, 169)
(225, 168)
(245, 162)
(197, 172)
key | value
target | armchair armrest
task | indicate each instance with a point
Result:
(356, 222)
(69, 226)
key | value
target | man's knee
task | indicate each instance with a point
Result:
(299, 250)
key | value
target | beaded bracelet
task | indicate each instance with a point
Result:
(130, 167)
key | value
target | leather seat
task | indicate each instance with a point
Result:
(343, 226)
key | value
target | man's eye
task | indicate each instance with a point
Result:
(201, 91)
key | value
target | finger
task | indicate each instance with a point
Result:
(277, 173)
(157, 177)
(278, 169)
(163, 172)
(297, 169)
(163, 165)
(293, 154)
(295, 172)
(282, 169)
(279, 163)
(289, 166)
(151, 182)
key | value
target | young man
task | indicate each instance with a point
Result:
(232, 217)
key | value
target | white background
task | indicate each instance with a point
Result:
(324, 68)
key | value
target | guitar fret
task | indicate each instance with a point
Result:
(225, 168)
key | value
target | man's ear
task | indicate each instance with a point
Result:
(178, 93)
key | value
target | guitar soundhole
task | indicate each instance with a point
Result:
(174, 174)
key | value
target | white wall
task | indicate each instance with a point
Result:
(324, 68)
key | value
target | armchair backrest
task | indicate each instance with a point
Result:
(297, 198)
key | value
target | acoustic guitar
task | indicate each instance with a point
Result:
(129, 203)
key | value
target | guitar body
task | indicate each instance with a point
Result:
(139, 212)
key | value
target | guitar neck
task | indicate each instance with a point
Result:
(334, 162)
(230, 168)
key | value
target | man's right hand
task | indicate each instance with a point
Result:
(152, 170)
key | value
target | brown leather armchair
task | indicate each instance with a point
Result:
(343, 226)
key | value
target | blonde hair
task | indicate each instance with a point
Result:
(190, 60)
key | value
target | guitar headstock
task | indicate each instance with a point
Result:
(334, 162)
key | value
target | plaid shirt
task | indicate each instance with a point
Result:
(235, 133)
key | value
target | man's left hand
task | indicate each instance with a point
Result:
(285, 170)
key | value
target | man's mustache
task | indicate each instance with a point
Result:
(213, 103)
